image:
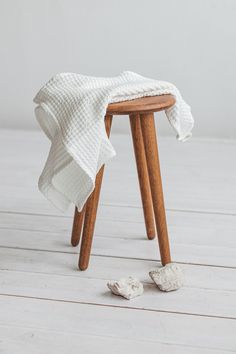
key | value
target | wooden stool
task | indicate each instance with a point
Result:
(142, 124)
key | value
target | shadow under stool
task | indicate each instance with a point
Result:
(141, 115)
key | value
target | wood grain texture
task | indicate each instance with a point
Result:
(193, 299)
(153, 165)
(91, 211)
(23, 340)
(189, 229)
(186, 330)
(144, 185)
(198, 277)
(141, 105)
(183, 250)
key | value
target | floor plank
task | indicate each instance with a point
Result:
(185, 330)
(205, 277)
(188, 300)
(140, 247)
(125, 222)
(31, 340)
(208, 291)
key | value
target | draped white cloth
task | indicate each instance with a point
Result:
(71, 109)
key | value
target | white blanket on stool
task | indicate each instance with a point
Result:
(70, 109)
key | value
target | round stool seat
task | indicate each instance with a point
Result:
(142, 105)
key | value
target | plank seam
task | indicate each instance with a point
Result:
(117, 306)
(118, 257)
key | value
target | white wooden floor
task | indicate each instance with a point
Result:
(48, 306)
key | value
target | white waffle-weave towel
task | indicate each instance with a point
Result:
(71, 109)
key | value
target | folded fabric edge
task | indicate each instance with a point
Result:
(48, 189)
(184, 138)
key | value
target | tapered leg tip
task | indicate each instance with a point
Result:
(83, 266)
(74, 243)
(151, 236)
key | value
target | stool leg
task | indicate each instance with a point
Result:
(91, 212)
(77, 226)
(144, 185)
(150, 144)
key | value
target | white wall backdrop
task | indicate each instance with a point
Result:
(191, 43)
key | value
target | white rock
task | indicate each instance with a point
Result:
(127, 287)
(168, 278)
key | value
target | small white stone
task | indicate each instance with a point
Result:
(168, 278)
(127, 287)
